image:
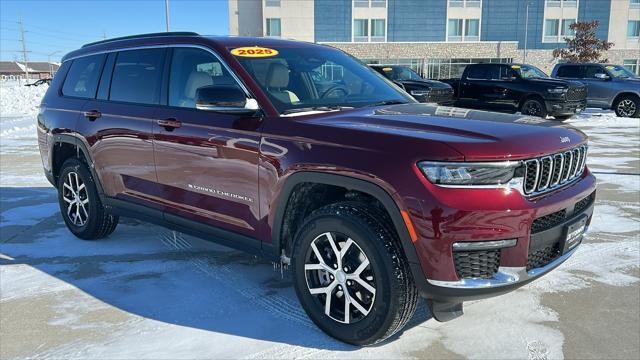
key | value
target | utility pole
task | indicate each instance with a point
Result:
(104, 34)
(526, 33)
(24, 48)
(49, 62)
(166, 12)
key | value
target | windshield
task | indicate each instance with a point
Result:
(620, 72)
(314, 78)
(401, 73)
(529, 72)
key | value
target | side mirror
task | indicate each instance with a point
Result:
(227, 99)
(601, 76)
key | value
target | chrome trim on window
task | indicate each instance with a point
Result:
(505, 276)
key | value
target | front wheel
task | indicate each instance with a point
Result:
(534, 107)
(627, 106)
(80, 204)
(350, 274)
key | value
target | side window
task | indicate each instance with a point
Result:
(590, 71)
(478, 72)
(506, 72)
(568, 71)
(137, 76)
(82, 79)
(192, 69)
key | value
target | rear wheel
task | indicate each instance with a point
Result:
(627, 106)
(80, 205)
(351, 276)
(534, 107)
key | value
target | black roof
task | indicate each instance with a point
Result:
(160, 34)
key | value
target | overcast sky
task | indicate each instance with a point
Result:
(65, 25)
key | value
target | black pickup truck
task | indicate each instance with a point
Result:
(517, 87)
(423, 90)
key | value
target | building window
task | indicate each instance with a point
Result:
(273, 27)
(464, 3)
(272, 3)
(633, 65)
(551, 30)
(453, 68)
(369, 3)
(633, 29)
(361, 30)
(472, 30)
(377, 30)
(455, 30)
(634, 4)
(562, 3)
(463, 30)
(379, 3)
(361, 3)
(566, 27)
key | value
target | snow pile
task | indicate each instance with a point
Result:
(19, 100)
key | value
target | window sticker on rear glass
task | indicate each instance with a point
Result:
(254, 51)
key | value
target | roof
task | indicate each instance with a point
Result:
(35, 67)
(10, 67)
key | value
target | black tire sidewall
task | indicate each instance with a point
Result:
(86, 231)
(540, 103)
(376, 323)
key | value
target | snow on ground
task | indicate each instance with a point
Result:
(147, 292)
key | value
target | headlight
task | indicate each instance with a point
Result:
(557, 90)
(441, 173)
(420, 92)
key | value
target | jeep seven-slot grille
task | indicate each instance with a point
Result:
(550, 172)
(477, 264)
(577, 94)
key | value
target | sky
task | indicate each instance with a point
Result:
(61, 26)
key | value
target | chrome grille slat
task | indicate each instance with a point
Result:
(553, 171)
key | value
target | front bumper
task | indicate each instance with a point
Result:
(560, 107)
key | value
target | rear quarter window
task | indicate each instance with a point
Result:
(137, 76)
(83, 77)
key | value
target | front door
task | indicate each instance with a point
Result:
(206, 162)
(597, 89)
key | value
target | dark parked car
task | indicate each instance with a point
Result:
(374, 199)
(518, 87)
(608, 86)
(423, 90)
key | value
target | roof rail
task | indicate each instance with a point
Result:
(169, 33)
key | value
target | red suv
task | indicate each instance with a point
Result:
(299, 153)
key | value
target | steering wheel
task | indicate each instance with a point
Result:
(335, 88)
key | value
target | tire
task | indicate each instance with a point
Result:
(563, 117)
(88, 222)
(627, 106)
(534, 107)
(376, 315)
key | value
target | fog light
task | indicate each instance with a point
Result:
(484, 245)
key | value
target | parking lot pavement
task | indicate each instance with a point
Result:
(147, 292)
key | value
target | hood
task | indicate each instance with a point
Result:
(557, 82)
(432, 84)
(476, 135)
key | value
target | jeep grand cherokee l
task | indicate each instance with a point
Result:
(518, 87)
(373, 198)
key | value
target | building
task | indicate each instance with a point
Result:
(37, 70)
(439, 37)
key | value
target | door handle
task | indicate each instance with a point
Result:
(92, 114)
(170, 124)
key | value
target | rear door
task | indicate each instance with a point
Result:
(207, 162)
(118, 124)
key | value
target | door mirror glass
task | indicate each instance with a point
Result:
(225, 99)
(601, 76)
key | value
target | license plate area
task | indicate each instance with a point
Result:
(573, 233)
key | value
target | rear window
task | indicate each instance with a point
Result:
(82, 79)
(137, 76)
(568, 72)
(484, 72)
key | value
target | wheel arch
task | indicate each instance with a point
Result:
(529, 96)
(65, 141)
(363, 186)
(622, 94)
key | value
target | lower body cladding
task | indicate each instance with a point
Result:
(486, 268)
(564, 108)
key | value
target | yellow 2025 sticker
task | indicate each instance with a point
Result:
(515, 66)
(254, 51)
(387, 69)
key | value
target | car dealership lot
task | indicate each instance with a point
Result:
(146, 292)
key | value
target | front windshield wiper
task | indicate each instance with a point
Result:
(315, 108)
(388, 102)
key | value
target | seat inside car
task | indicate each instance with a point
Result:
(277, 82)
(196, 80)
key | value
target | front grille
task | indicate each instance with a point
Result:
(548, 221)
(584, 203)
(553, 171)
(440, 95)
(541, 257)
(480, 264)
(577, 94)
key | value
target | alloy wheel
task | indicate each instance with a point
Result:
(532, 108)
(627, 108)
(77, 198)
(340, 277)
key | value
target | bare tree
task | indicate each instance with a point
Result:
(585, 45)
